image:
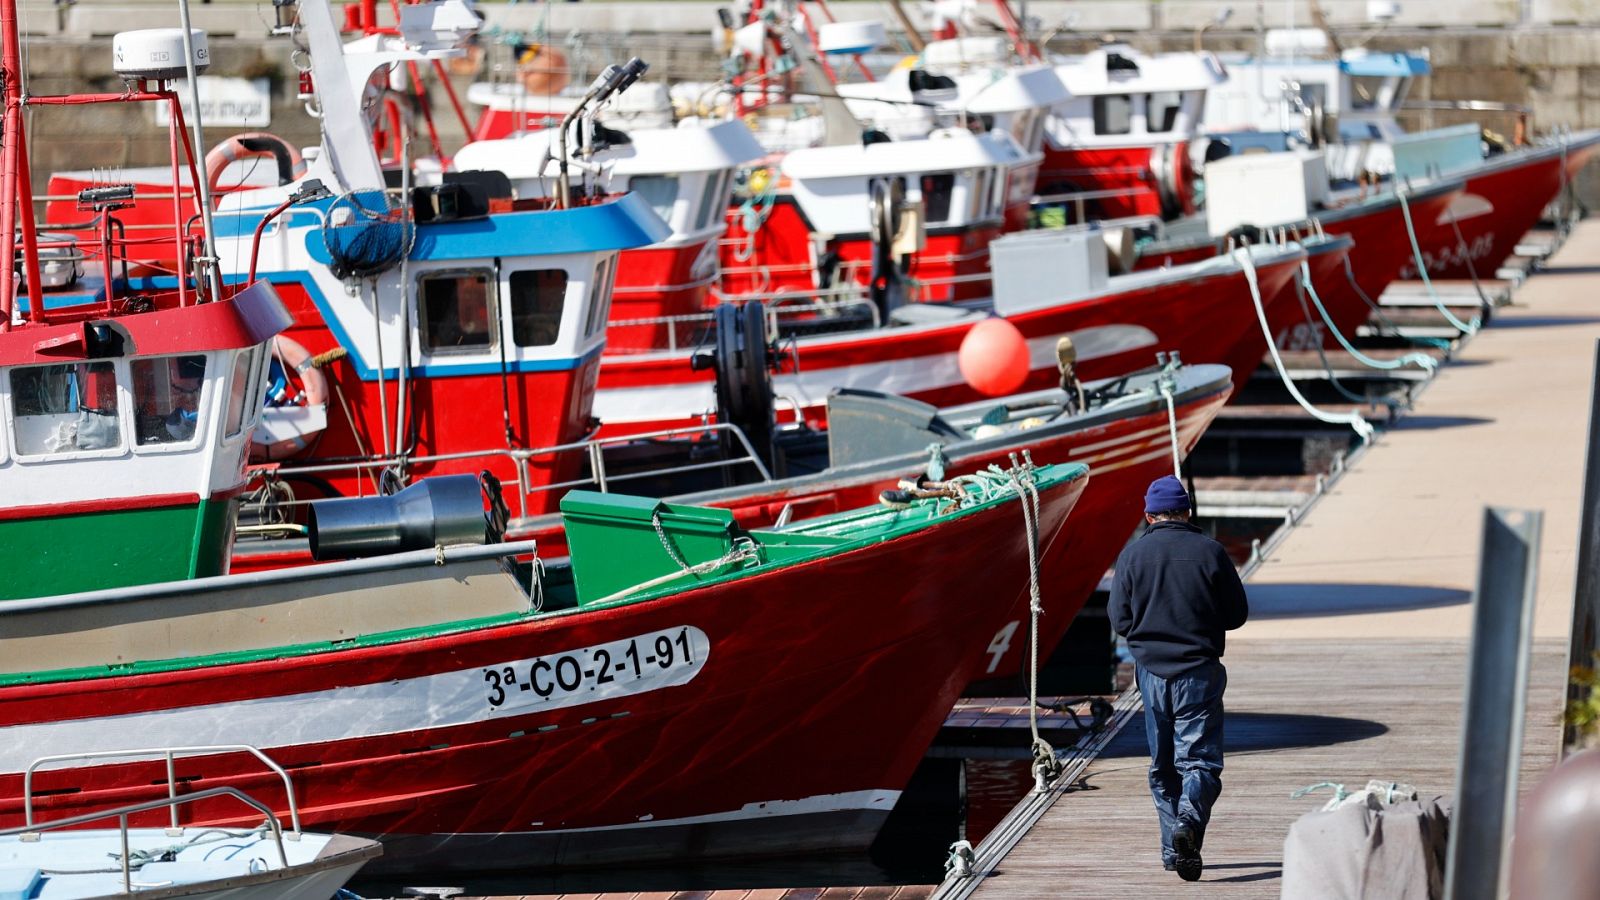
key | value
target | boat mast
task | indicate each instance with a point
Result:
(208, 260)
(15, 188)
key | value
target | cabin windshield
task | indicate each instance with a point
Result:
(239, 392)
(1113, 114)
(936, 190)
(1161, 111)
(65, 408)
(537, 299)
(456, 311)
(660, 191)
(715, 198)
(166, 398)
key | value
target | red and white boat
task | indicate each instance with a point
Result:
(685, 174)
(1260, 191)
(1350, 103)
(1201, 310)
(1122, 142)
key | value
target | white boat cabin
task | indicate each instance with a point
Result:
(1122, 97)
(958, 178)
(911, 102)
(105, 411)
(685, 174)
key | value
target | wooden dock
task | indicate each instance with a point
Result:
(1353, 665)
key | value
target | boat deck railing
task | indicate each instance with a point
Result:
(32, 831)
(785, 310)
(121, 813)
(523, 460)
(170, 754)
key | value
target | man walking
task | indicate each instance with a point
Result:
(1174, 594)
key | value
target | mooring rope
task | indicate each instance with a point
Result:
(1316, 344)
(1361, 426)
(1384, 320)
(1422, 271)
(1421, 360)
(1172, 429)
(1045, 765)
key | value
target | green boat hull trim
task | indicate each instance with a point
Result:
(116, 548)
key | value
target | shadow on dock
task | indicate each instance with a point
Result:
(1506, 323)
(1248, 732)
(1290, 600)
(1416, 423)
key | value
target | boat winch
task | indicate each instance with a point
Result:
(442, 511)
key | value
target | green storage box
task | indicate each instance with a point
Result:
(614, 544)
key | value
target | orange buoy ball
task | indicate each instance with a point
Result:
(994, 358)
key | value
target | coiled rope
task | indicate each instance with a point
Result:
(1422, 271)
(1361, 426)
(1421, 360)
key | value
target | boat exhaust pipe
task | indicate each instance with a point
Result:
(436, 512)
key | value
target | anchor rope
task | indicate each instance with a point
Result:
(1422, 271)
(1421, 360)
(1361, 426)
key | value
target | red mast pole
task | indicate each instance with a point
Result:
(11, 92)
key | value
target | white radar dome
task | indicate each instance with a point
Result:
(157, 53)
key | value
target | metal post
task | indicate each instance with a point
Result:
(1586, 595)
(1496, 701)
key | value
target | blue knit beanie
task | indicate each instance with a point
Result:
(1166, 494)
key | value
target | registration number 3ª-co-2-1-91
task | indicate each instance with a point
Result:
(631, 665)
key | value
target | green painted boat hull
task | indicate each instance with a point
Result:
(94, 551)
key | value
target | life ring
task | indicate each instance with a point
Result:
(542, 70)
(254, 143)
(297, 359)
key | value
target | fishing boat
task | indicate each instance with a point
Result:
(1048, 283)
(1273, 193)
(61, 859)
(1308, 89)
(478, 712)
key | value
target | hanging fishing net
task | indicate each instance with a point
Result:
(367, 232)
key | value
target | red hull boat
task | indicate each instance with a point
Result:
(1376, 224)
(1203, 312)
(1503, 199)
(676, 723)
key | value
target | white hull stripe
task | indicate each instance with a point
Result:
(461, 697)
(822, 803)
(810, 388)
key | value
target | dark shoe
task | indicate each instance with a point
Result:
(1187, 864)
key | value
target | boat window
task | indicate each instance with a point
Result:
(1022, 127)
(537, 298)
(1113, 114)
(1365, 91)
(599, 298)
(980, 194)
(166, 398)
(66, 407)
(1314, 94)
(660, 191)
(455, 311)
(1161, 110)
(936, 189)
(714, 198)
(239, 391)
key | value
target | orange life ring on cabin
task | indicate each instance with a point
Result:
(297, 359)
(254, 143)
(542, 69)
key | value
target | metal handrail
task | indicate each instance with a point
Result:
(520, 459)
(123, 812)
(171, 754)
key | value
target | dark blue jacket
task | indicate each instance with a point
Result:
(1174, 594)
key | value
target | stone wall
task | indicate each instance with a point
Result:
(1521, 52)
